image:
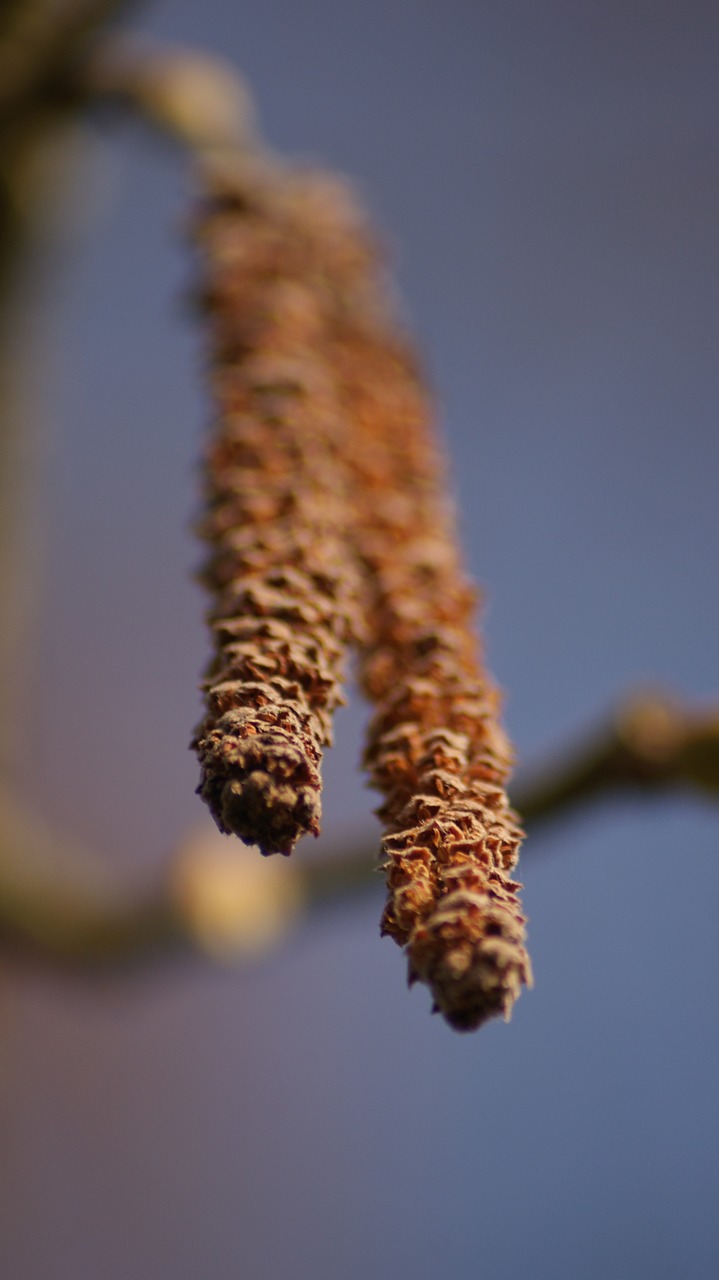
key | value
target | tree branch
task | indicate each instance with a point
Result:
(191, 98)
(650, 744)
(42, 48)
(224, 902)
(58, 904)
(214, 900)
(41, 43)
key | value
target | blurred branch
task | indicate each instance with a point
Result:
(55, 61)
(32, 217)
(41, 43)
(651, 744)
(192, 98)
(223, 901)
(43, 50)
(42, 46)
(59, 904)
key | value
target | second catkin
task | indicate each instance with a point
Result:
(436, 749)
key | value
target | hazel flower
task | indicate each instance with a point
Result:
(326, 499)
(282, 582)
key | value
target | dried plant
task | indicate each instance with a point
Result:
(324, 468)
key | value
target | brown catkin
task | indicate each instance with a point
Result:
(281, 577)
(324, 479)
(436, 749)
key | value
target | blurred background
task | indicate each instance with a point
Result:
(547, 180)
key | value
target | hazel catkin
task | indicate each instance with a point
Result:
(435, 749)
(278, 568)
(329, 523)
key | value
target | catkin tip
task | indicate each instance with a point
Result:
(471, 955)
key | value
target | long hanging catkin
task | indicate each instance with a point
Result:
(279, 569)
(324, 470)
(435, 749)
(435, 746)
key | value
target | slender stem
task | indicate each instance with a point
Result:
(650, 744)
(41, 42)
(41, 47)
(218, 901)
(193, 99)
(59, 904)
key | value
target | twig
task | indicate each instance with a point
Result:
(54, 906)
(220, 901)
(652, 743)
(60, 905)
(193, 99)
(41, 43)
